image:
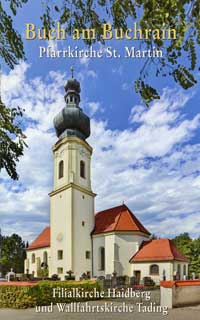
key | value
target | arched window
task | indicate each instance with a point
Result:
(82, 169)
(154, 269)
(33, 258)
(101, 258)
(61, 169)
(45, 258)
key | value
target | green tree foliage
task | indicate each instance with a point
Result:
(179, 59)
(191, 249)
(11, 45)
(11, 50)
(11, 139)
(12, 254)
(195, 254)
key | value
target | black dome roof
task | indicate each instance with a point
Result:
(73, 84)
(71, 120)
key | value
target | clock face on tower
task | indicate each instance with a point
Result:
(59, 237)
(83, 152)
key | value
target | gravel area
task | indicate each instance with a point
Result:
(191, 313)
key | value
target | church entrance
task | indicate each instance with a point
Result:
(137, 275)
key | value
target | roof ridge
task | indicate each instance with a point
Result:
(142, 244)
(173, 246)
(170, 245)
(135, 219)
(120, 213)
(110, 209)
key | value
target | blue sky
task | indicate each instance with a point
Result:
(148, 158)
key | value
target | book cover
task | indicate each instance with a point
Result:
(99, 159)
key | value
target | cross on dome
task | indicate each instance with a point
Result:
(72, 71)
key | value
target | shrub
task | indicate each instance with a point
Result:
(43, 273)
(21, 297)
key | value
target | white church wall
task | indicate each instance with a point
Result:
(98, 242)
(126, 245)
(83, 153)
(83, 224)
(170, 268)
(109, 253)
(119, 248)
(72, 209)
(39, 258)
(107, 242)
(71, 151)
(144, 268)
(61, 154)
(61, 232)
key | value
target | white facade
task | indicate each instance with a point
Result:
(165, 268)
(119, 248)
(71, 209)
(35, 258)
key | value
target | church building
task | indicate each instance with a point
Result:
(79, 240)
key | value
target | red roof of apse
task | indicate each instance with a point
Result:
(158, 250)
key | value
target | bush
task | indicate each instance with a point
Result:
(42, 273)
(21, 297)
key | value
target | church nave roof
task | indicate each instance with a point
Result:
(119, 218)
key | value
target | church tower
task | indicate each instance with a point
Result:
(72, 199)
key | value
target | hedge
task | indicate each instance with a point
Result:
(22, 297)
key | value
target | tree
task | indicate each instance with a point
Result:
(191, 249)
(12, 254)
(183, 243)
(11, 139)
(179, 59)
(11, 136)
(195, 253)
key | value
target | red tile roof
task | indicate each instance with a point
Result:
(117, 219)
(43, 240)
(157, 250)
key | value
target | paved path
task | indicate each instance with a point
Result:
(191, 313)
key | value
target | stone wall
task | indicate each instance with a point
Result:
(180, 293)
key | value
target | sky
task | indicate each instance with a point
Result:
(145, 157)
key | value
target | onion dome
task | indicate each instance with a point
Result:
(71, 120)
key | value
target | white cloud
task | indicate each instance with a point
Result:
(93, 107)
(154, 168)
(84, 60)
(92, 74)
(126, 86)
(53, 44)
(118, 70)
